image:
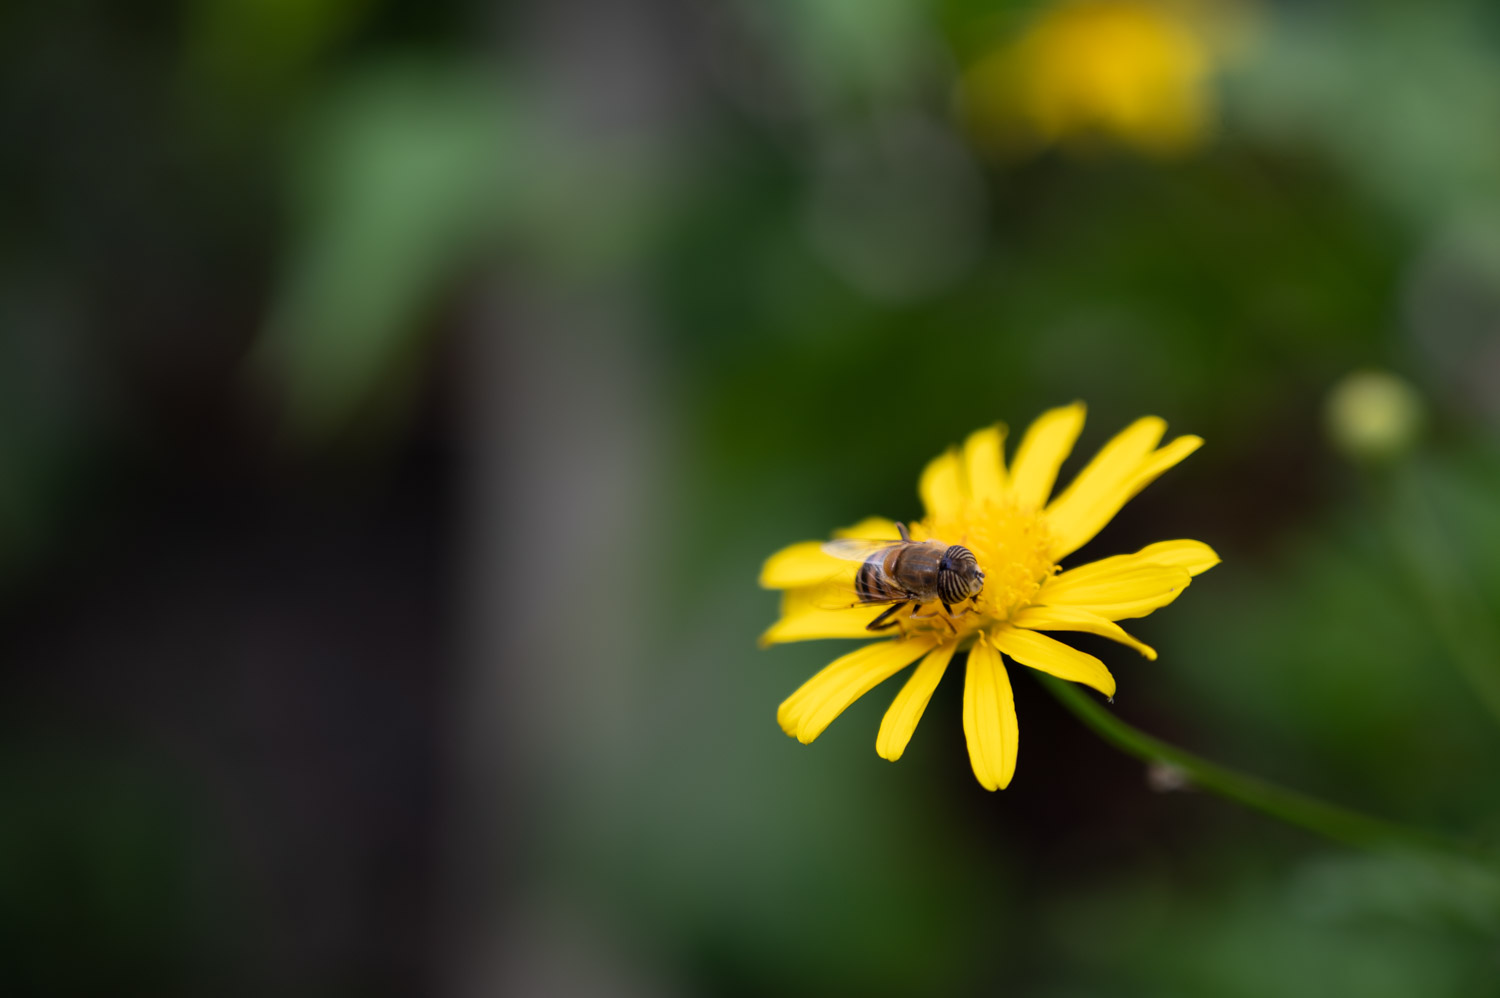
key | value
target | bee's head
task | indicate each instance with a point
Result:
(959, 575)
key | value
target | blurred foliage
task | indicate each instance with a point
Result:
(396, 181)
(841, 280)
(261, 49)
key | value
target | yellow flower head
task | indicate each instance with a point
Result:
(1018, 537)
(1132, 72)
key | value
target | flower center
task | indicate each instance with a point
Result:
(1012, 546)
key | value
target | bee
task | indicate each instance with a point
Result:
(908, 572)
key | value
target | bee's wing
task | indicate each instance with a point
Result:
(838, 593)
(851, 549)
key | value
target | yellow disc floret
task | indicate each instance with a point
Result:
(1013, 547)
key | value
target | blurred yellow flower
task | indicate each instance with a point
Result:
(1017, 537)
(1127, 71)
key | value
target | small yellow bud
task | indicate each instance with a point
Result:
(1374, 416)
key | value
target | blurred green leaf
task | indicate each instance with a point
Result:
(395, 181)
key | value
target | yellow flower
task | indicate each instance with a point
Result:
(1133, 72)
(1018, 537)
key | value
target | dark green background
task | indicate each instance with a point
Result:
(397, 402)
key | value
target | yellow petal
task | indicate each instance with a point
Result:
(1133, 592)
(990, 718)
(1168, 457)
(801, 564)
(814, 612)
(1132, 580)
(805, 563)
(1075, 524)
(805, 713)
(941, 486)
(1127, 609)
(1073, 514)
(1047, 443)
(983, 466)
(1069, 618)
(1130, 585)
(1052, 656)
(871, 528)
(906, 710)
(1194, 557)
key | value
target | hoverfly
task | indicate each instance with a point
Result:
(910, 572)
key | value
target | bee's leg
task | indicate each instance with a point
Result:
(901, 529)
(926, 616)
(880, 623)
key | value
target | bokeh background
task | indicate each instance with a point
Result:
(397, 401)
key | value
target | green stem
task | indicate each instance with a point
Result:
(1337, 823)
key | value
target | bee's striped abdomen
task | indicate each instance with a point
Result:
(872, 585)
